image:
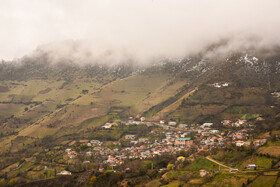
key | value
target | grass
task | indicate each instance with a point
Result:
(8, 110)
(196, 181)
(173, 184)
(261, 162)
(227, 179)
(278, 182)
(266, 181)
(250, 116)
(271, 173)
(271, 148)
(195, 113)
(38, 131)
(138, 92)
(203, 163)
(172, 175)
(25, 167)
(153, 183)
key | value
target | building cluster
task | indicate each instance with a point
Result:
(169, 137)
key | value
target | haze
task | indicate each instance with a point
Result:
(110, 30)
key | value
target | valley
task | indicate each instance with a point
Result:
(123, 124)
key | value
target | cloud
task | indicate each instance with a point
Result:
(114, 30)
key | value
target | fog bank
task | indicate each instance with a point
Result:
(111, 31)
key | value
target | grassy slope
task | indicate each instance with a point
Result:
(136, 93)
(223, 103)
(271, 148)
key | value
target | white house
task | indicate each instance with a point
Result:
(203, 173)
(183, 125)
(207, 124)
(64, 172)
(225, 84)
(214, 131)
(251, 166)
(239, 143)
(130, 137)
(172, 123)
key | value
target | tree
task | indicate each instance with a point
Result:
(274, 138)
(92, 181)
(12, 182)
(170, 166)
(2, 183)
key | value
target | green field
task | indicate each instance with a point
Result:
(267, 181)
(203, 163)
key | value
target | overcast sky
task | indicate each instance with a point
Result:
(142, 28)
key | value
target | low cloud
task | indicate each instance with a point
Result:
(111, 31)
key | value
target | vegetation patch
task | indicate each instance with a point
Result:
(267, 181)
(4, 89)
(203, 163)
(45, 91)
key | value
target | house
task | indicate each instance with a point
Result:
(150, 124)
(248, 143)
(142, 119)
(169, 144)
(143, 140)
(251, 166)
(134, 142)
(207, 125)
(72, 154)
(67, 150)
(226, 122)
(111, 159)
(109, 125)
(168, 134)
(172, 123)
(260, 119)
(259, 142)
(96, 142)
(238, 136)
(275, 94)
(185, 134)
(225, 84)
(183, 125)
(64, 172)
(89, 153)
(130, 137)
(205, 133)
(241, 121)
(183, 142)
(214, 131)
(213, 139)
(217, 85)
(233, 170)
(203, 173)
(239, 143)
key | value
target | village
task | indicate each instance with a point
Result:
(171, 138)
